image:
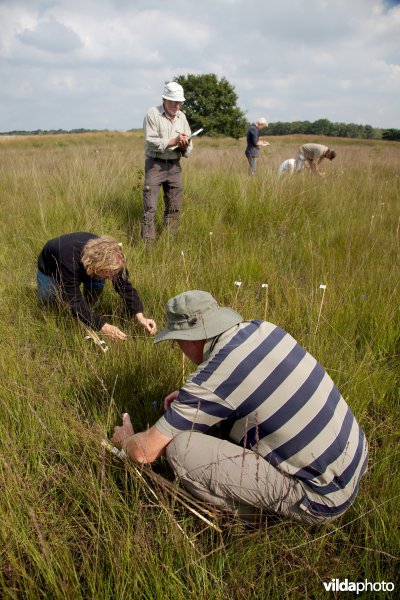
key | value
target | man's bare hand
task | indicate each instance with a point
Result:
(182, 141)
(170, 398)
(121, 433)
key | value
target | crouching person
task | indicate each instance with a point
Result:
(82, 259)
(312, 155)
(291, 447)
(287, 166)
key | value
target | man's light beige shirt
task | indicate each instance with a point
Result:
(159, 129)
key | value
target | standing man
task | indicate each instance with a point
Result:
(313, 154)
(167, 139)
(288, 444)
(253, 143)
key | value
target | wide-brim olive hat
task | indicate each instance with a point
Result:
(196, 315)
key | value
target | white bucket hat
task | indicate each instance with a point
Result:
(195, 315)
(262, 121)
(173, 91)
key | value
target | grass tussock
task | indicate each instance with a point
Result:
(77, 522)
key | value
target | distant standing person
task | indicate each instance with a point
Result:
(253, 143)
(313, 154)
(74, 259)
(167, 139)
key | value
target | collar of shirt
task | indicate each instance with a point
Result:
(223, 338)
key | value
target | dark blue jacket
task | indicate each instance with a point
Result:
(252, 140)
(61, 259)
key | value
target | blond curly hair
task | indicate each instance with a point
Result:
(103, 254)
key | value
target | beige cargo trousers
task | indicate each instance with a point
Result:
(236, 480)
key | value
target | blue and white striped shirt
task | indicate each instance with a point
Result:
(280, 403)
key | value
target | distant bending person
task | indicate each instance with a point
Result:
(287, 166)
(83, 259)
(313, 155)
(167, 139)
(254, 143)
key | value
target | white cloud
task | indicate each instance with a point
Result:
(51, 36)
(82, 64)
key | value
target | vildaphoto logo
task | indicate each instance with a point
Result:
(336, 585)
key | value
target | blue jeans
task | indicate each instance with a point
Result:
(252, 164)
(49, 290)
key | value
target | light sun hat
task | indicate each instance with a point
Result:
(173, 91)
(262, 121)
(196, 315)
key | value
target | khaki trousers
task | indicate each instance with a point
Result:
(168, 175)
(235, 479)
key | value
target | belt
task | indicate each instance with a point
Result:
(165, 160)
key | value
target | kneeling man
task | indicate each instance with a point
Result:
(288, 444)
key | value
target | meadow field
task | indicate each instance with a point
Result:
(77, 522)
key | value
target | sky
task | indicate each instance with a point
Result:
(100, 64)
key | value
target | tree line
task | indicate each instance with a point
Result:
(347, 130)
(326, 127)
(49, 131)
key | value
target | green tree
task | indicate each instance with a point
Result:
(391, 134)
(368, 132)
(322, 127)
(212, 104)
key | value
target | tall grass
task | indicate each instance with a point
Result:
(76, 522)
